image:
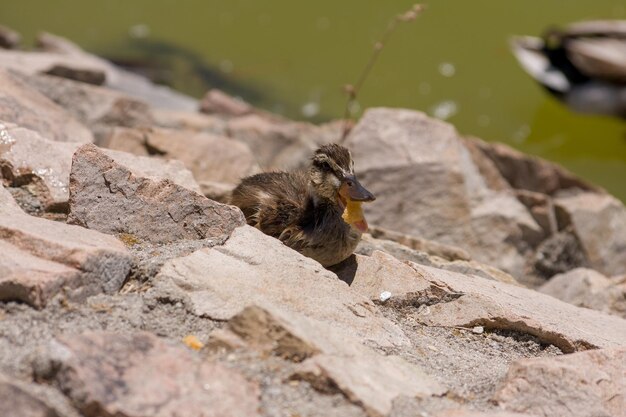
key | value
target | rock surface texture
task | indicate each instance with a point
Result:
(107, 196)
(582, 384)
(491, 283)
(137, 375)
(41, 258)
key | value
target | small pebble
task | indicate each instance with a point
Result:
(478, 330)
(384, 296)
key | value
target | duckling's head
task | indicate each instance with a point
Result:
(332, 177)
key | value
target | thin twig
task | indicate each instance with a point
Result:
(352, 90)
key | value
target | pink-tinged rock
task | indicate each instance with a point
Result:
(584, 384)
(116, 78)
(41, 258)
(107, 196)
(281, 144)
(599, 222)
(25, 106)
(79, 68)
(97, 107)
(218, 102)
(474, 413)
(333, 360)
(187, 120)
(253, 268)
(9, 39)
(588, 288)
(7, 202)
(455, 300)
(525, 172)
(211, 158)
(29, 158)
(17, 401)
(428, 185)
(136, 375)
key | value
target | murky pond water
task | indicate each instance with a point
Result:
(293, 57)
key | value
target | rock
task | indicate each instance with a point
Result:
(31, 159)
(599, 222)
(211, 158)
(17, 400)
(584, 384)
(9, 39)
(79, 68)
(447, 298)
(220, 103)
(474, 413)
(107, 196)
(24, 106)
(427, 185)
(587, 288)
(560, 252)
(253, 268)
(541, 207)
(134, 375)
(369, 245)
(373, 275)
(280, 144)
(455, 300)
(525, 172)
(186, 120)
(96, 107)
(447, 252)
(333, 361)
(41, 258)
(7, 202)
(117, 78)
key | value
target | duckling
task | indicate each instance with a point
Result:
(583, 65)
(316, 212)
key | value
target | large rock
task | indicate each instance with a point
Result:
(117, 78)
(135, 375)
(428, 185)
(458, 301)
(96, 107)
(599, 222)
(79, 68)
(29, 158)
(9, 39)
(25, 106)
(212, 159)
(253, 268)
(281, 144)
(584, 384)
(525, 172)
(17, 400)
(369, 245)
(451, 299)
(333, 361)
(588, 288)
(107, 196)
(41, 258)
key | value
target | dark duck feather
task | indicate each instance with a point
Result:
(309, 211)
(583, 65)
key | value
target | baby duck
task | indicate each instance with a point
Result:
(317, 213)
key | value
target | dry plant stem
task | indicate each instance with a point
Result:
(353, 89)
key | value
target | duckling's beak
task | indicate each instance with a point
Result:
(355, 191)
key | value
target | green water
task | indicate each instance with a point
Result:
(290, 56)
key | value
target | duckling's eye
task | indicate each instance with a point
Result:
(350, 183)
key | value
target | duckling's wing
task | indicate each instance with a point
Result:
(272, 202)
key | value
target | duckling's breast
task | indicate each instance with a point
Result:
(334, 246)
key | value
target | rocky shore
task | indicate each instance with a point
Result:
(492, 283)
